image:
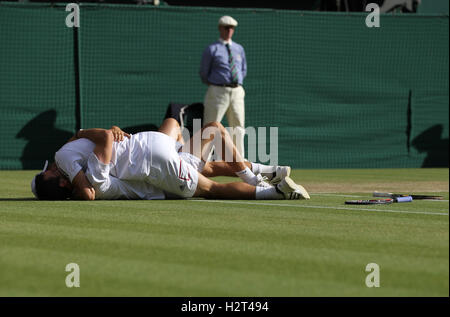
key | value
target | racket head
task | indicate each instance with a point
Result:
(370, 201)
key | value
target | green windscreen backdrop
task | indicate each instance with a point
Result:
(37, 84)
(433, 7)
(342, 95)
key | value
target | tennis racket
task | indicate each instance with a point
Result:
(370, 202)
(414, 197)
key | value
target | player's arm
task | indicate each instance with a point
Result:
(91, 134)
(82, 188)
(96, 134)
(98, 161)
(103, 140)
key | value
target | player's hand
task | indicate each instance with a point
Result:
(118, 133)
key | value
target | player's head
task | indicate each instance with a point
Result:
(226, 27)
(51, 184)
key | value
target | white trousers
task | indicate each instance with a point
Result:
(230, 101)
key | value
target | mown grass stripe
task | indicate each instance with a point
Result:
(324, 207)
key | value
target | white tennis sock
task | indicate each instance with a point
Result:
(267, 193)
(261, 168)
(248, 176)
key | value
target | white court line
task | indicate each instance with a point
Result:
(322, 207)
(328, 194)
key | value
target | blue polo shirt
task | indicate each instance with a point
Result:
(215, 66)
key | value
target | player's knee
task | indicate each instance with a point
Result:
(213, 130)
(208, 170)
(214, 124)
(218, 127)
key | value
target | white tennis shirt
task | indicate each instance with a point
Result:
(127, 175)
(122, 178)
(73, 156)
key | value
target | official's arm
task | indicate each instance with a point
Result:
(205, 65)
(244, 64)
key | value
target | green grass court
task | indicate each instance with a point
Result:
(232, 248)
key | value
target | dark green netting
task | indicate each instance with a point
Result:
(37, 84)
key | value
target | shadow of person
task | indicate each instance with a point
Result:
(43, 140)
(430, 142)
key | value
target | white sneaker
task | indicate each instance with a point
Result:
(262, 181)
(291, 190)
(280, 173)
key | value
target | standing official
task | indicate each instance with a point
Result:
(223, 68)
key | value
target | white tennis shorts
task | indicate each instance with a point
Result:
(192, 160)
(169, 171)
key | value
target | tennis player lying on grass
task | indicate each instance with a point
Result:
(110, 164)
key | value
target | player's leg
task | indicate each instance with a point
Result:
(220, 168)
(215, 134)
(171, 127)
(213, 169)
(286, 189)
(273, 174)
(209, 189)
(234, 166)
(226, 167)
(172, 174)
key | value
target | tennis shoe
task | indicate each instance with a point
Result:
(280, 173)
(262, 181)
(291, 190)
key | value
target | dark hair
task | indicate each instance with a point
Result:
(49, 189)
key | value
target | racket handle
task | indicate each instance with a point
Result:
(403, 199)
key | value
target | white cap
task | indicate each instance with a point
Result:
(33, 182)
(227, 20)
